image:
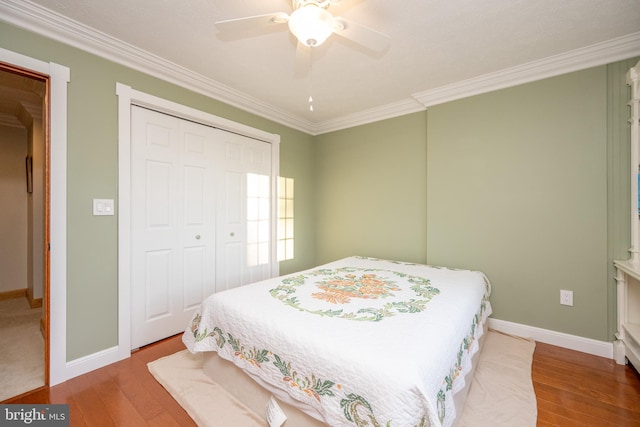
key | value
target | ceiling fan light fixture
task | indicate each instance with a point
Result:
(311, 24)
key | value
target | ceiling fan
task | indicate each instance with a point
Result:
(311, 23)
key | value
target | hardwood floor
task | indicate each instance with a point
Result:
(572, 389)
(577, 389)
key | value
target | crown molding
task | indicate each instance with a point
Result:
(579, 59)
(387, 111)
(9, 120)
(42, 21)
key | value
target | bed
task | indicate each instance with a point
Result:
(359, 341)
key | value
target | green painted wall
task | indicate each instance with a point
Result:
(371, 190)
(93, 173)
(517, 188)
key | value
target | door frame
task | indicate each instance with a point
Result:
(127, 97)
(55, 130)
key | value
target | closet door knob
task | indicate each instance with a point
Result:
(232, 234)
(197, 237)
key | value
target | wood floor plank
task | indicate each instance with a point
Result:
(589, 384)
(574, 357)
(582, 404)
(574, 388)
(34, 397)
(121, 409)
(126, 375)
(163, 420)
(89, 405)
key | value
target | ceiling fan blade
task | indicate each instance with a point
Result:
(364, 36)
(250, 23)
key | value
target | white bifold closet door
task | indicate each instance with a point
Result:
(192, 218)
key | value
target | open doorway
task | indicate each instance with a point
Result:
(24, 192)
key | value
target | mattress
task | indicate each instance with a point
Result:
(356, 341)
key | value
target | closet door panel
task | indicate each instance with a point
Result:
(173, 171)
(197, 194)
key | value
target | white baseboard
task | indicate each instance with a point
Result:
(94, 361)
(560, 339)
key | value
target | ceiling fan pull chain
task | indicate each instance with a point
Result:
(310, 79)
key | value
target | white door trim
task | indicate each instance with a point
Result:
(59, 76)
(127, 97)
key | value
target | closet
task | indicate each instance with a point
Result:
(201, 218)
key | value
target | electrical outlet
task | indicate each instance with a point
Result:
(566, 297)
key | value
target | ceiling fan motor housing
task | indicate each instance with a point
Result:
(310, 22)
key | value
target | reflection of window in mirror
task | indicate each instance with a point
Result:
(285, 218)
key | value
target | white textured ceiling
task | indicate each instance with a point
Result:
(434, 43)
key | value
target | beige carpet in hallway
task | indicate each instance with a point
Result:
(21, 348)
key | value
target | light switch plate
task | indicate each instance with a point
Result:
(103, 207)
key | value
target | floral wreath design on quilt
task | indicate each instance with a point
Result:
(339, 286)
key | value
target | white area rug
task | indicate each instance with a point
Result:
(21, 348)
(501, 393)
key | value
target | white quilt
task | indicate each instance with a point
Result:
(357, 342)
